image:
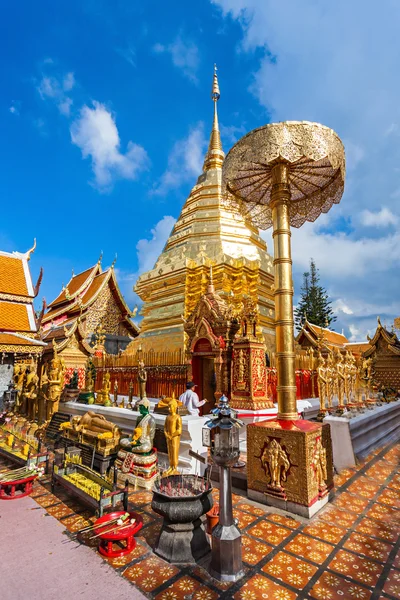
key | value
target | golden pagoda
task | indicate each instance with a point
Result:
(208, 232)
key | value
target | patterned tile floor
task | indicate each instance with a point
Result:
(350, 550)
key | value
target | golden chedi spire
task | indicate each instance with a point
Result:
(215, 154)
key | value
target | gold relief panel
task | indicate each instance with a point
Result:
(299, 446)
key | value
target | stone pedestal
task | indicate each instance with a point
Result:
(289, 465)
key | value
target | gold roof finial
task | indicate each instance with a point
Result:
(215, 155)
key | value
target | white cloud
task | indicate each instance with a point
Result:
(383, 218)
(55, 88)
(340, 306)
(319, 64)
(184, 54)
(14, 109)
(148, 250)
(231, 133)
(185, 161)
(96, 134)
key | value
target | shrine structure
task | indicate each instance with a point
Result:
(384, 349)
(311, 336)
(90, 307)
(18, 325)
(208, 232)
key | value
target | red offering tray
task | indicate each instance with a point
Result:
(11, 490)
(108, 537)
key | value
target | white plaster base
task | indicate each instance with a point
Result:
(292, 507)
(125, 419)
(358, 436)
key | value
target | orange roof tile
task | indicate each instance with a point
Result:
(12, 276)
(16, 317)
(94, 287)
(329, 336)
(18, 340)
(358, 347)
(76, 284)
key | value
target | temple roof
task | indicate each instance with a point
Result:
(15, 276)
(390, 339)
(17, 317)
(76, 299)
(76, 285)
(313, 332)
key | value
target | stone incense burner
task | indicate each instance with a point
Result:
(182, 500)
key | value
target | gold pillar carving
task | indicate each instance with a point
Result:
(286, 388)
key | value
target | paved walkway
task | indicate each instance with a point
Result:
(351, 550)
(39, 562)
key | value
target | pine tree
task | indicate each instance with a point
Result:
(314, 304)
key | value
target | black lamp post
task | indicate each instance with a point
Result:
(226, 558)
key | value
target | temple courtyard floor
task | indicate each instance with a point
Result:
(351, 549)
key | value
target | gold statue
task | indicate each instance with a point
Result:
(322, 385)
(173, 432)
(347, 377)
(142, 379)
(19, 379)
(89, 381)
(275, 458)
(31, 392)
(115, 403)
(340, 370)
(104, 397)
(95, 430)
(130, 395)
(56, 374)
(163, 405)
(318, 463)
(331, 379)
(353, 372)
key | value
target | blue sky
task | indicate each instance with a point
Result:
(105, 113)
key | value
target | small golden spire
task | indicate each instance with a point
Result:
(210, 287)
(215, 154)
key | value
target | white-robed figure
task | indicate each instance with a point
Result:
(191, 400)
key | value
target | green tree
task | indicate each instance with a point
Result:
(314, 304)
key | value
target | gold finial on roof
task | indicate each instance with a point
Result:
(215, 155)
(28, 254)
(100, 257)
(114, 261)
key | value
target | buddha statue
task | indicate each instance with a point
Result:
(137, 459)
(95, 430)
(104, 397)
(173, 432)
(163, 406)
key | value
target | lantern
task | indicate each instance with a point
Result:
(226, 560)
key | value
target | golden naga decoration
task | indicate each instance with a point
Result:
(95, 430)
(55, 383)
(275, 460)
(103, 397)
(173, 432)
